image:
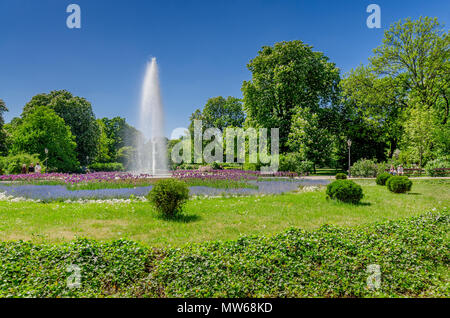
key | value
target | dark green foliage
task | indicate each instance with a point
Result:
(382, 178)
(77, 114)
(28, 270)
(3, 146)
(42, 128)
(216, 166)
(399, 184)
(13, 163)
(294, 162)
(328, 262)
(341, 176)
(345, 191)
(110, 166)
(282, 81)
(169, 196)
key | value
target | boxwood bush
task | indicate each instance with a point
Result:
(341, 176)
(329, 262)
(399, 184)
(169, 196)
(382, 178)
(345, 191)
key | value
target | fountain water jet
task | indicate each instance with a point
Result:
(151, 156)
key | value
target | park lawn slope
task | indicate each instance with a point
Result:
(412, 255)
(207, 219)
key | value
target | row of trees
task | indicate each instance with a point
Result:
(66, 126)
(396, 104)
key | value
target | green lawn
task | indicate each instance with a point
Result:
(214, 218)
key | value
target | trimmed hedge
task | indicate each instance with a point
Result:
(110, 166)
(382, 178)
(341, 176)
(399, 184)
(329, 262)
(345, 190)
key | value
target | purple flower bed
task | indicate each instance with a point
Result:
(231, 174)
(57, 192)
(77, 178)
(61, 192)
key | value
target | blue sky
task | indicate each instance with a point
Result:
(202, 47)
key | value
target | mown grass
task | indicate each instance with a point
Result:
(213, 218)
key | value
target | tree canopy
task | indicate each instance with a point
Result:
(3, 147)
(286, 77)
(43, 128)
(77, 114)
(220, 112)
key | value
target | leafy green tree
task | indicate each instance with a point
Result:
(121, 134)
(375, 104)
(127, 156)
(222, 113)
(77, 114)
(219, 112)
(103, 144)
(41, 129)
(286, 77)
(3, 146)
(311, 139)
(418, 133)
(416, 54)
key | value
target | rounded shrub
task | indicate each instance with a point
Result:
(345, 191)
(399, 184)
(382, 178)
(169, 196)
(364, 168)
(341, 176)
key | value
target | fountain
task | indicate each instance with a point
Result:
(152, 155)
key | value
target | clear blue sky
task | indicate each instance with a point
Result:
(202, 47)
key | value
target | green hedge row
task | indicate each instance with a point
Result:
(329, 262)
(109, 166)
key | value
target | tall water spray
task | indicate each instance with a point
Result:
(152, 155)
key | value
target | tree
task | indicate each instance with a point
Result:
(220, 112)
(41, 129)
(77, 114)
(103, 144)
(409, 71)
(120, 134)
(287, 77)
(374, 104)
(311, 139)
(416, 53)
(419, 133)
(3, 147)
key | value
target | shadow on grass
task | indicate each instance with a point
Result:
(181, 218)
(414, 193)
